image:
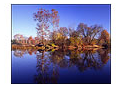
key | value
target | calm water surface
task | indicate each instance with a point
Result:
(76, 66)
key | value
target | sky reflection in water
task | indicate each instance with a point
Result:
(31, 66)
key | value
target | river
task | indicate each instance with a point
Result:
(62, 67)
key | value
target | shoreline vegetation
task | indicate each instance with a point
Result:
(83, 37)
(88, 47)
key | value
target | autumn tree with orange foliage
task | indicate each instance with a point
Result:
(63, 35)
(55, 24)
(89, 33)
(54, 19)
(42, 17)
(75, 38)
(104, 38)
(30, 40)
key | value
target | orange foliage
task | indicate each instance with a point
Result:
(105, 37)
(30, 38)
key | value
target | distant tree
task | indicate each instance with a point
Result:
(19, 38)
(75, 38)
(89, 33)
(30, 40)
(104, 38)
(62, 36)
(73, 33)
(36, 40)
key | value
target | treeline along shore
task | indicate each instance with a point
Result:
(52, 46)
(83, 37)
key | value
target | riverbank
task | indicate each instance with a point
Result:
(85, 47)
(88, 47)
(15, 46)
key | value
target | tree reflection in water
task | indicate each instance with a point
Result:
(21, 53)
(47, 72)
(85, 59)
(48, 63)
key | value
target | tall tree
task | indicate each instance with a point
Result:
(55, 23)
(89, 33)
(42, 16)
(54, 19)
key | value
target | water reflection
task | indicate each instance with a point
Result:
(45, 72)
(49, 63)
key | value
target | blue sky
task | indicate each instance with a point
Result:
(70, 16)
